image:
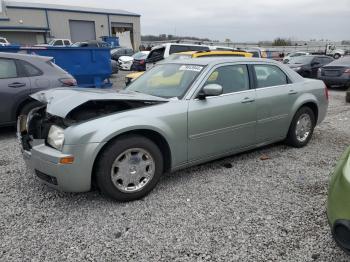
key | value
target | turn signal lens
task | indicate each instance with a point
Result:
(67, 160)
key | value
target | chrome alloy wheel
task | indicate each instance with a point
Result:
(303, 128)
(132, 170)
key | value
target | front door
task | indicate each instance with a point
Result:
(225, 123)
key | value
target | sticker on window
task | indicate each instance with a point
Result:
(191, 68)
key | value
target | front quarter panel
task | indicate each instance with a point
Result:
(167, 119)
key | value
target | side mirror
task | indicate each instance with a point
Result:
(210, 90)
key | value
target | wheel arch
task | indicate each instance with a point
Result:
(152, 135)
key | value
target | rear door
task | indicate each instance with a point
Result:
(14, 88)
(225, 123)
(275, 97)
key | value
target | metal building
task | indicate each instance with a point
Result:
(34, 23)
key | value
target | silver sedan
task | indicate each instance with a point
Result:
(176, 115)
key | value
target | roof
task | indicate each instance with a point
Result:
(68, 8)
(23, 56)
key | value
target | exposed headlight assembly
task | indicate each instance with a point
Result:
(56, 137)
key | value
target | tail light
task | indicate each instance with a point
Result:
(326, 93)
(68, 81)
(142, 62)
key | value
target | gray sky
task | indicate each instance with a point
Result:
(249, 20)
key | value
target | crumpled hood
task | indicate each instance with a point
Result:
(61, 101)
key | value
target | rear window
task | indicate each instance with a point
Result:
(30, 70)
(52, 64)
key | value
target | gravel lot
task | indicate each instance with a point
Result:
(235, 209)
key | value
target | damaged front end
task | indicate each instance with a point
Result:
(63, 108)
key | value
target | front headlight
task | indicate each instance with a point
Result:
(56, 137)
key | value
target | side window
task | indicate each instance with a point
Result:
(156, 55)
(232, 78)
(269, 75)
(178, 49)
(66, 42)
(8, 69)
(58, 43)
(30, 70)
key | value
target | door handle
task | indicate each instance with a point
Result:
(16, 85)
(247, 100)
(292, 92)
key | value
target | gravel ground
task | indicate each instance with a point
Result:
(235, 209)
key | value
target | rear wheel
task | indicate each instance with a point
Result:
(302, 128)
(337, 56)
(129, 168)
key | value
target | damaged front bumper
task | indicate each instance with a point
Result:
(46, 164)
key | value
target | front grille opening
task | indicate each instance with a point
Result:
(342, 235)
(49, 179)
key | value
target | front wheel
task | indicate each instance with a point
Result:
(336, 56)
(301, 128)
(129, 168)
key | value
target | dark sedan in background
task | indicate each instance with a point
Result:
(22, 75)
(337, 73)
(308, 65)
(139, 63)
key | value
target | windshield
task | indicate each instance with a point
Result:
(140, 55)
(166, 80)
(301, 60)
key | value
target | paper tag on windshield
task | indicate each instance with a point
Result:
(191, 68)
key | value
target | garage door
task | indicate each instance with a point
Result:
(82, 30)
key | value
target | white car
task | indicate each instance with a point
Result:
(125, 62)
(4, 42)
(57, 43)
(290, 56)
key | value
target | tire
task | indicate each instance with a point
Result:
(118, 153)
(292, 138)
(27, 107)
(336, 56)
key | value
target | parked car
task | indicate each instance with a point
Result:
(338, 208)
(116, 53)
(193, 54)
(57, 43)
(290, 56)
(126, 62)
(139, 62)
(115, 67)
(4, 42)
(178, 114)
(92, 43)
(22, 75)
(336, 73)
(308, 65)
